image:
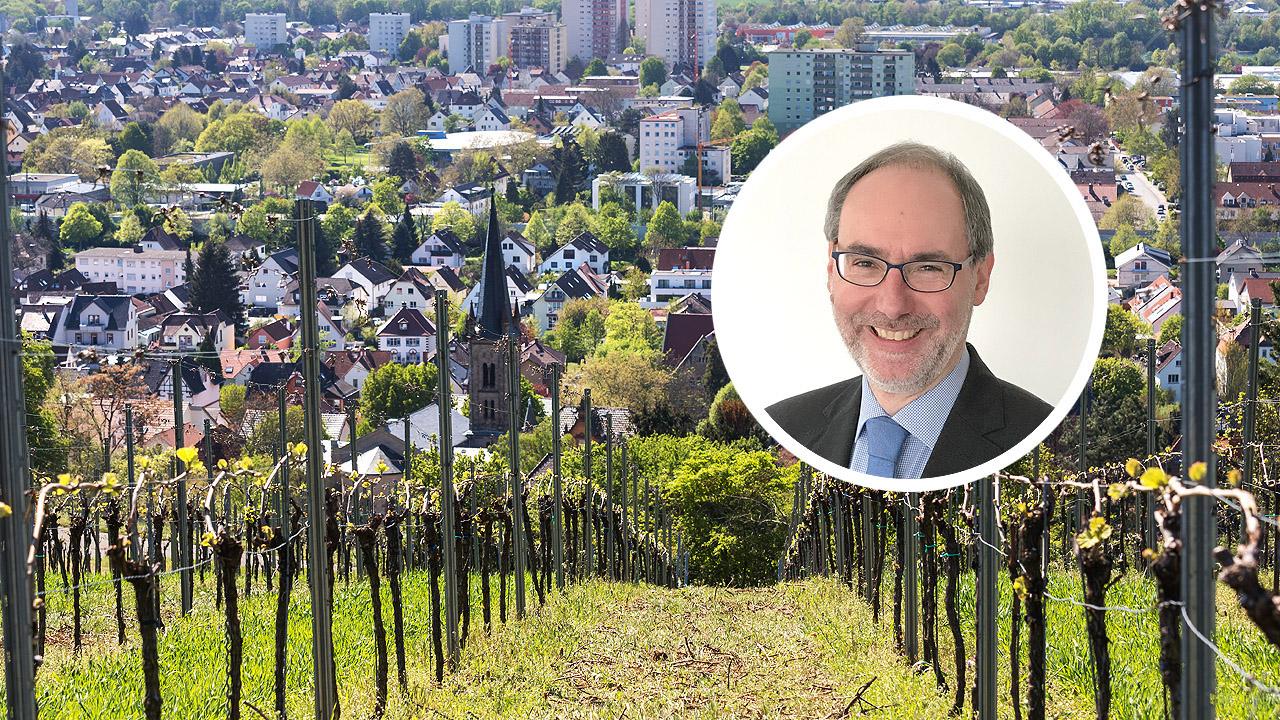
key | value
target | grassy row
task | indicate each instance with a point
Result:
(797, 650)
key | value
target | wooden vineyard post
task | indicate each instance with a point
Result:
(444, 396)
(910, 583)
(182, 548)
(611, 544)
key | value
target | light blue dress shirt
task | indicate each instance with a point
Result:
(922, 418)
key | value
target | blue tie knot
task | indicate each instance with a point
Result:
(884, 439)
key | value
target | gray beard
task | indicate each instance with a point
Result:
(930, 367)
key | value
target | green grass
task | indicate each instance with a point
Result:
(358, 161)
(612, 650)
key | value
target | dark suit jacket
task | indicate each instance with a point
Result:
(989, 417)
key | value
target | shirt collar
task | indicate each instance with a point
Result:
(923, 417)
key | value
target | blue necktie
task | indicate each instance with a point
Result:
(884, 439)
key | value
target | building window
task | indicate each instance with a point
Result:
(1173, 379)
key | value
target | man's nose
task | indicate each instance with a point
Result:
(894, 298)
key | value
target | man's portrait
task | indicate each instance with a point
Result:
(910, 292)
(910, 256)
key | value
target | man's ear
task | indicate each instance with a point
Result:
(982, 268)
(832, 274)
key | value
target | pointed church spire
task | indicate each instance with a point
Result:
(494, 305)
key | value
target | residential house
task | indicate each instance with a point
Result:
(1164, 300)
(1238, 258)
(1243, 288)
(473, 197)
(413, 290)
(275, 335)
(188, 331)
(573, 284)
(408, 336)
(536, 359)
(265, 286)
(237, 365)
(312, 190)
(109, 322)
(133, 270)
(519, 289)
(680, 271)
(518, 251)
(442, 248)
(492, 119)
(373, 276)
(1169, 375)
(585, 248)
(424, 427)
(354, 365)
(1141, 264)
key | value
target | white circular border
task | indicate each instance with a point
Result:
(809, 133)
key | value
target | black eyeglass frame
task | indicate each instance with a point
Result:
(902, 269)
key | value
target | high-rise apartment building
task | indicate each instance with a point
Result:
(596, 28)
(387, 30)
(476, 42)
(804, 84)
(539, 46)
(668, 139)
(678, 31)
(265, 30)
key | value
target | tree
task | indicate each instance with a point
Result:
(1171, 329)
(630, 329)
(178, 124)
(240, 133)
(728, 506)
(338, 223)
(801, 39)
(268, 222)
(850, 32)
(79, 227)
(750, 147)
(611, 153)
(951, 55)
(405, 113)
(370, 237)
(1120, 338)
(536, 232)
(135, 179)
(1089, 121)
(728, 122)
(612, 226)
(1127, 210)
(572, 175)
(666, 229)
(106, 394)
(1251, 84)
(289, 166)
(134, 137)
(214, 283)
(652, 71)
(409, 47)
(1125, 238)
(729, 419)
(575, 221)
(456, 218)
(353, 116)
(264, 439)
(715, 376)
(620, 379)
(594, 68)
(46, 442)
(1118, 404)
(579, 327)
(404, 239)
(402, 162)
(68, 150)
(130, 230)
(231, 403)
(177, 223)
(395, 391)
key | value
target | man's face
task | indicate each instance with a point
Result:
(903, 340)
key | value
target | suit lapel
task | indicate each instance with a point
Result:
(978, 411)
(836, 442)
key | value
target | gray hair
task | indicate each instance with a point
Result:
(977, 216)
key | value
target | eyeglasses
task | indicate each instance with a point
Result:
(926, 276)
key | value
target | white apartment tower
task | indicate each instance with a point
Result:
(476, 42)
(596, 28)
(387, 30)
(265, 30)
(678, 31)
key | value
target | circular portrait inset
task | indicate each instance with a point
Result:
(909, 293)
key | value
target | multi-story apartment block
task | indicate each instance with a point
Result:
(387, 30)
(476, 42)
(678, 31)
(265, 30)
(596, 28)
(134, 270)
(537, 40)
(804, 84)
(669, 138)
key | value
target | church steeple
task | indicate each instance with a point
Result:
(495, 308)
